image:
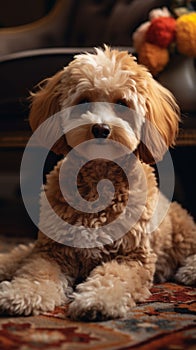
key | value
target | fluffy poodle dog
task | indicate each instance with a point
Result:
(106, 259)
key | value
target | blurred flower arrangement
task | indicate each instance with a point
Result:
(163, 35)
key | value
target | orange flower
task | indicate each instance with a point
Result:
(153, 57)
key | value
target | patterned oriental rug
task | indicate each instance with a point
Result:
(167, 320)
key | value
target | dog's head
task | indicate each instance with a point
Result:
(115, 98)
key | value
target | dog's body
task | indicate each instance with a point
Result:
(110, 272)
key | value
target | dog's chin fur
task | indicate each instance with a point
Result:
(115, 272)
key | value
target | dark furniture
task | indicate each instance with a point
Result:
(76, 23)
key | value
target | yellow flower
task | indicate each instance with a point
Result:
(186, 34)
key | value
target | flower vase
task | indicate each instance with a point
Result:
(179, 76)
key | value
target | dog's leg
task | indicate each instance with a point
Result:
(185, 228)
(10, 262)
(37, 286)
(177, 247)
(111, 290)
(186, 274)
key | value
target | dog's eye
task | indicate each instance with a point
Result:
(120, 107)
(84, 101)
(81, 106)
(121, 102)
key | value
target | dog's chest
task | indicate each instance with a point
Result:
(98, 221)
(99, 204)
(101, 182)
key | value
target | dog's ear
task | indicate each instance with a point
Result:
(45, 103)
(161, 127)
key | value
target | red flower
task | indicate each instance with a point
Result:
(161, 31)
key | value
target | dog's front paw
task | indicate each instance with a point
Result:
(22, 297)
(15, 300)
(80, 310)
(99, 306)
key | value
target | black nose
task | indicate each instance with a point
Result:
(101, 130)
